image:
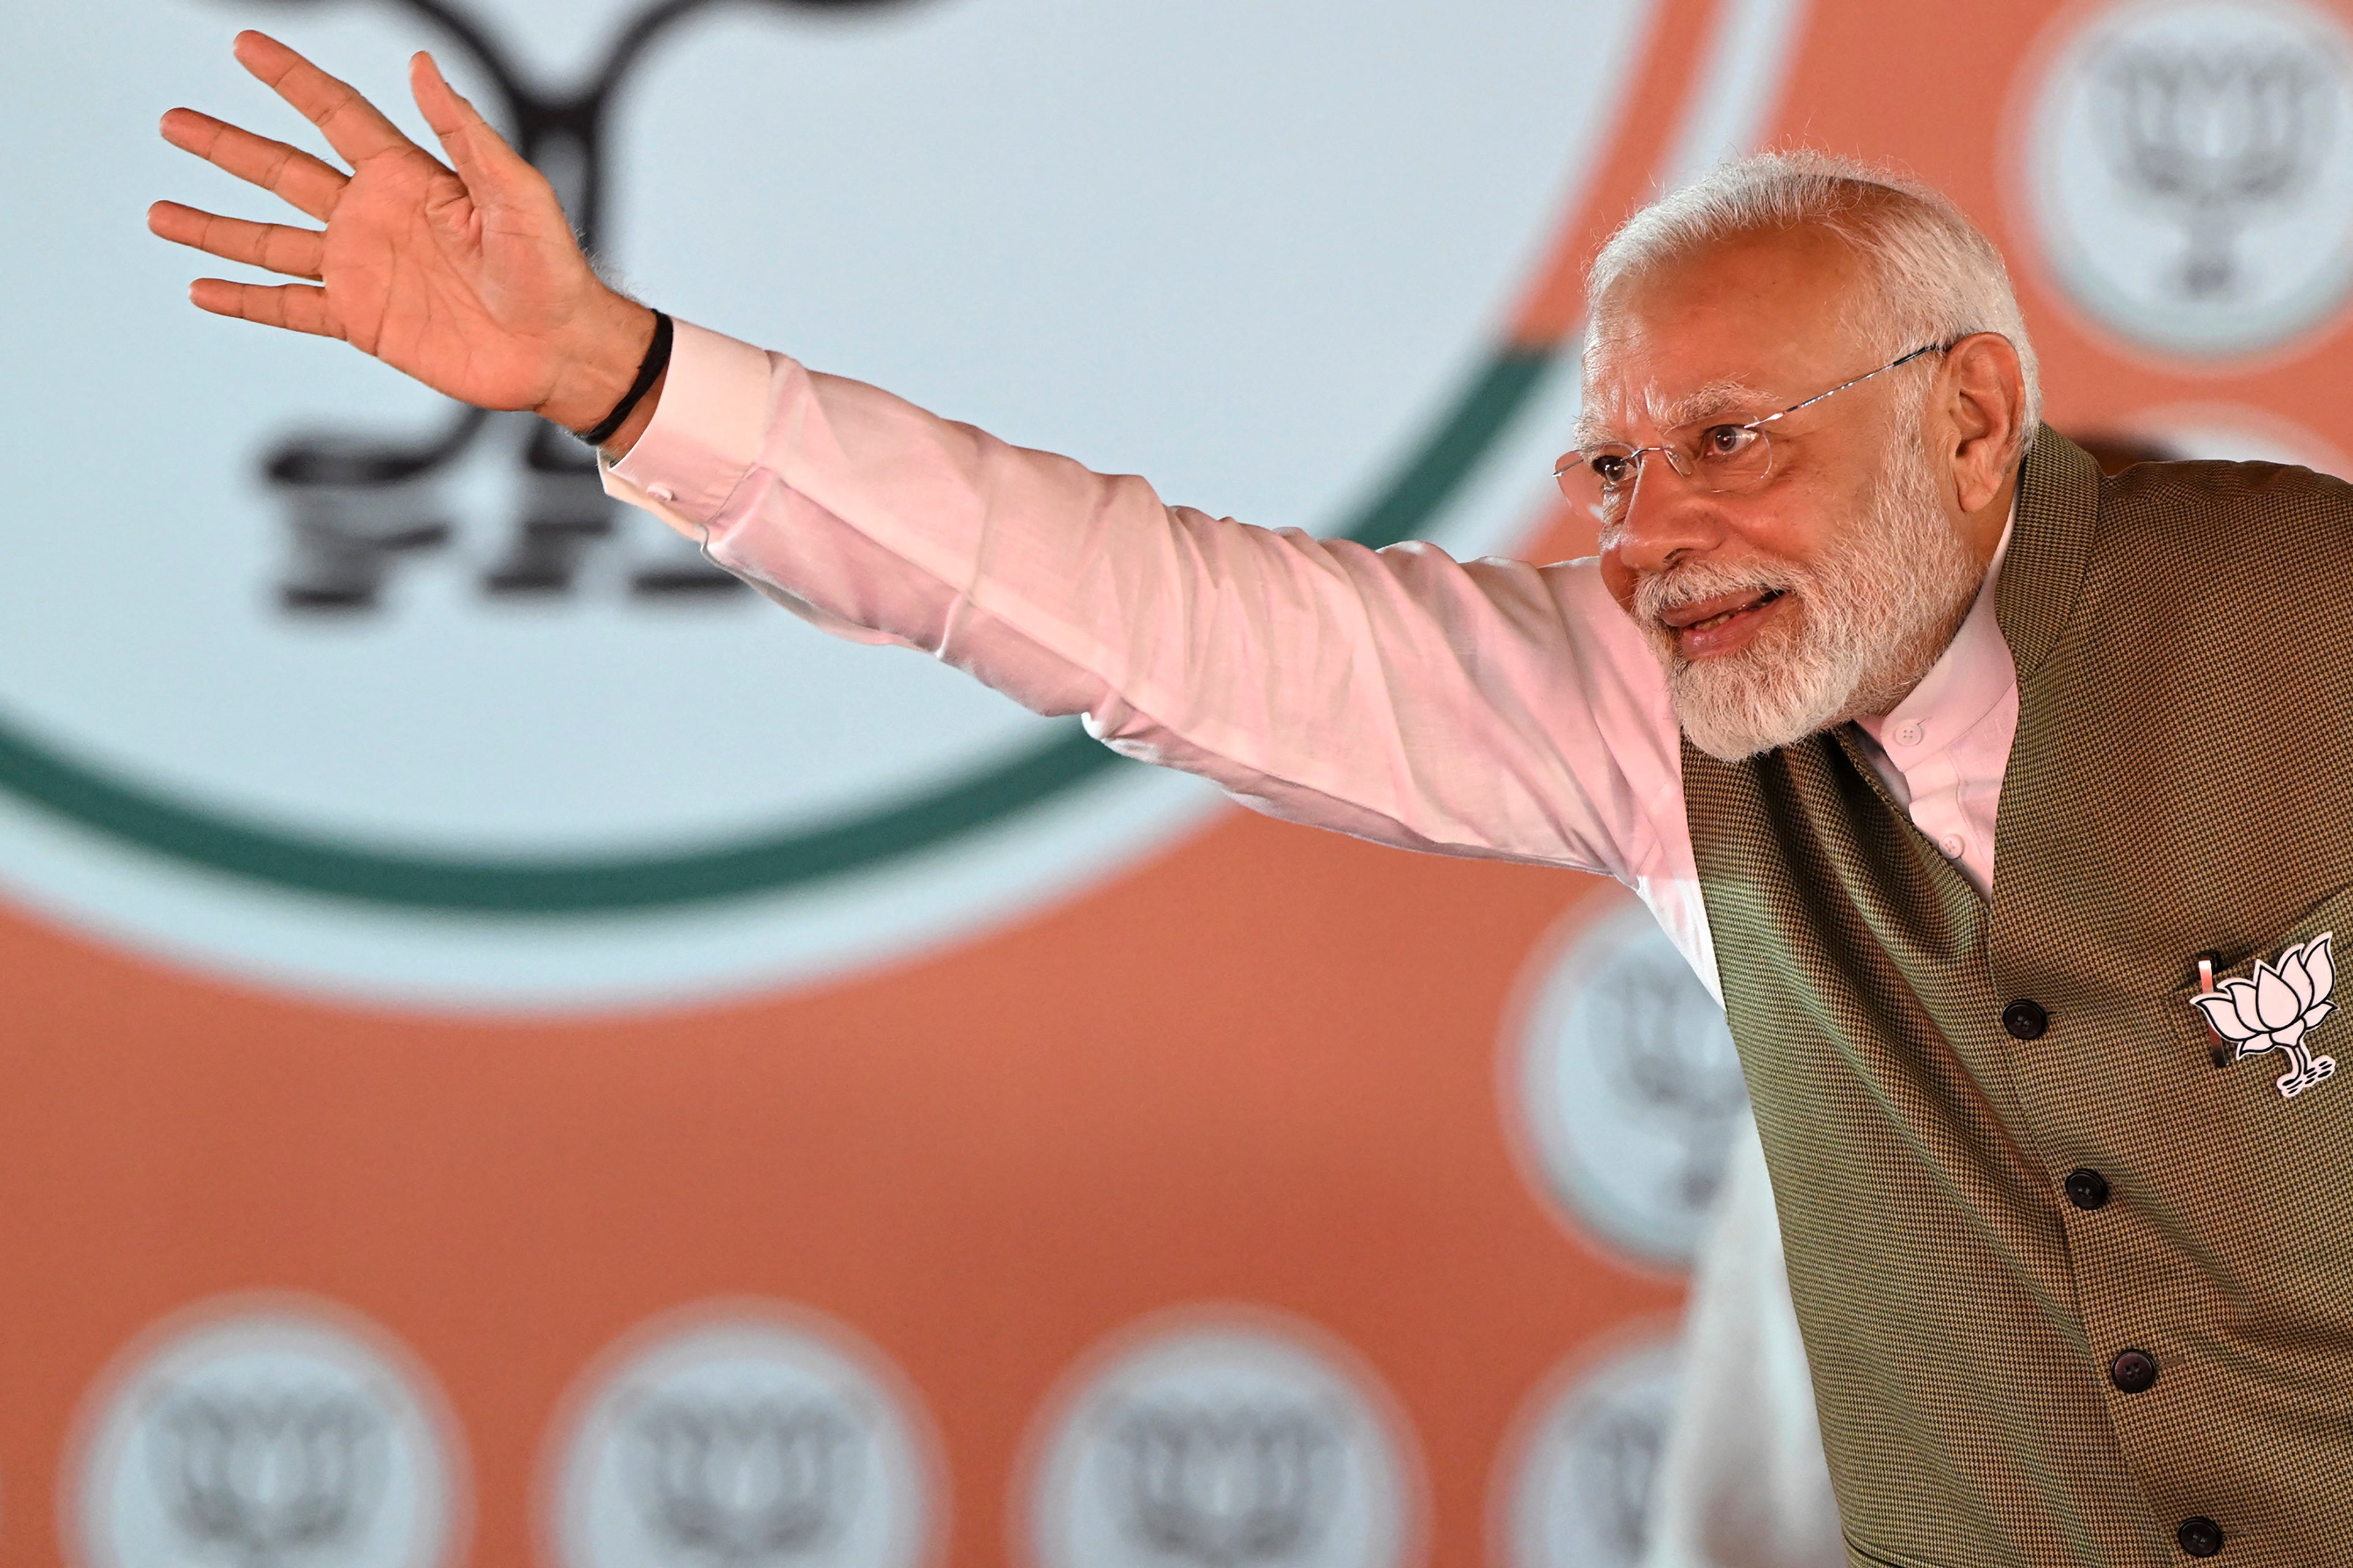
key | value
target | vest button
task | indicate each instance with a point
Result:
(2025, 1019)
(2133, 1372)
(2087, 1189)
(2199, 1537)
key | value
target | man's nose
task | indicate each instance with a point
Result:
(1666, 517)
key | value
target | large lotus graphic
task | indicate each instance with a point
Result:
(2276, 1009)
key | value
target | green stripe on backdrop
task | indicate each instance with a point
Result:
(242, 848)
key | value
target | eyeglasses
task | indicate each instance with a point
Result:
(1716, 457)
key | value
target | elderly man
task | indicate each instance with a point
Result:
(2074, 1269)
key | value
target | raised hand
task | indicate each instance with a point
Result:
(467, 277)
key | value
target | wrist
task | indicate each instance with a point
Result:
(617, 445)
(597, 366)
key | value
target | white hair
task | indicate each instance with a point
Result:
(1932, 275)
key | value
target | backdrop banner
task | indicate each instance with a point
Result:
(519, 1052)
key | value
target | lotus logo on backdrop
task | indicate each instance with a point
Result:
(1623, 1081)
(1577, 1491)
(748, 1480)
(332, 686)
(1224, 1442)
(266, 1477)
(1240, 1484)
(745, 1440)
(267, 1439)
(2190, 170)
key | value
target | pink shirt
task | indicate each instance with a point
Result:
(1490, 707)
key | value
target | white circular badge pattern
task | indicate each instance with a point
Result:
(1578, 1489)
(752, 1437)
(2236, 433)
(1625, 1085)
(280, 1432)
(2190, 170)
(1225, 1440)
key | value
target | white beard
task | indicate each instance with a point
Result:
(1869, 619)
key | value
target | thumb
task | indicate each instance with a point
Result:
(480, 156)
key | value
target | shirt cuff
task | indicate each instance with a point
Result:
(705, 434)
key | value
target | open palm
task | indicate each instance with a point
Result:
(467, 277)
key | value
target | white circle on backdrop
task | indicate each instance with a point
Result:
(273, 1431)
(745, 1435)
(2238, 433)
(1264, 298)
(1622, 1085)
(2190, 168)
(1217, 1437)
(1574, 1485)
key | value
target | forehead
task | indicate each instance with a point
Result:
(1747, 325)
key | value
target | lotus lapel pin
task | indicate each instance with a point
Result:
(2276, 1009)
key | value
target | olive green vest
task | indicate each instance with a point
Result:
(2181, 783)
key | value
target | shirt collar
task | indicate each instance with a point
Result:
(1972, 675)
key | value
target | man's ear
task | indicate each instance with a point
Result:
(1986, 400)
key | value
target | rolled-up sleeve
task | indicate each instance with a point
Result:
(1485, 707)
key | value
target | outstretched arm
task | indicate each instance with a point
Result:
(464, 275)
(1488, 708)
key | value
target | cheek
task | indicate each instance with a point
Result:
(1795, 524)
(1821, 500)
(1618, 579)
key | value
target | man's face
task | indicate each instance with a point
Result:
(1825, 593)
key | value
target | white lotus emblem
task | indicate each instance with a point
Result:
(2276, 1009)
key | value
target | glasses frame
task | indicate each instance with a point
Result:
(1686, 465)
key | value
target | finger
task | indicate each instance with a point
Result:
(353, 127)
(296, 252)
(307, 184)
(297, 307)
(478, 153)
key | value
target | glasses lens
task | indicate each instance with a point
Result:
(1728, 456)
(1598, 476)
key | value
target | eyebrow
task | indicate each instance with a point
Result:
(1725, 396)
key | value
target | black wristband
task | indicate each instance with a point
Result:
(657, 360)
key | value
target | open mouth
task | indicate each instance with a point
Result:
(1724, 617)
(1705, 629)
